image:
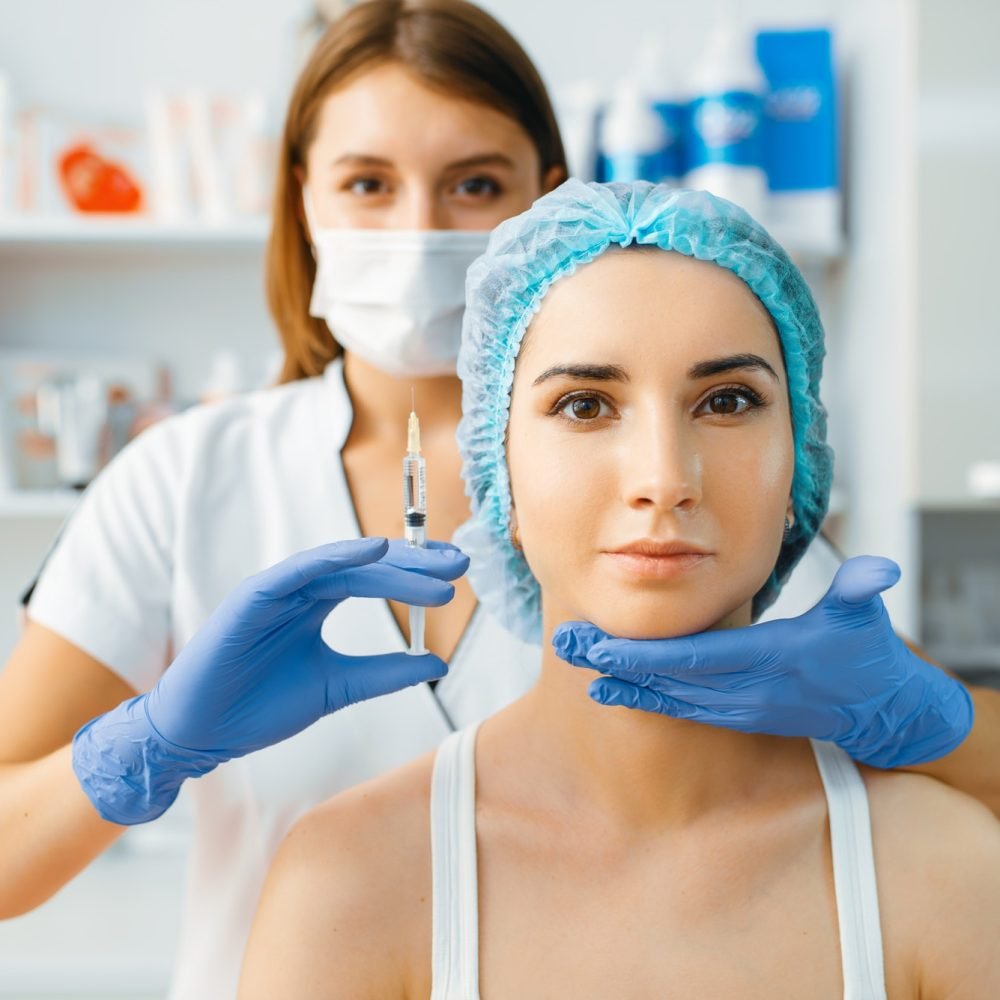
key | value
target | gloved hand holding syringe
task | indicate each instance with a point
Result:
(415, 516)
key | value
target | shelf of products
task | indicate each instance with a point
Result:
(55, 231)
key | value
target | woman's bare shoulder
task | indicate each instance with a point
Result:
(345, 911)
(937, 859)
(919, 815)
(383, 815)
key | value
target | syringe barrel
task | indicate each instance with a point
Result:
(414, 484)
(415, 528)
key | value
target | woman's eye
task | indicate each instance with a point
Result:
(731, 402)
(478, 187)
(582, 409)
(365, 186)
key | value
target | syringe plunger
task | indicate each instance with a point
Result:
(414, 485)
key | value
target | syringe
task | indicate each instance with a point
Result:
(414, 518)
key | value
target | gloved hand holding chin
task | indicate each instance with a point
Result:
(258, 671)
(838, 672)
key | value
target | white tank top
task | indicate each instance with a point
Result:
(455, 957)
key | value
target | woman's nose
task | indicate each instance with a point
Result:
(420, 208)
(662, 465)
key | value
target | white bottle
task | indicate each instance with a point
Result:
(631, 138)
(165, 184)
(576, 109)
(725, 137)
(661, 88)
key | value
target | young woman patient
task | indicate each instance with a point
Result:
(654, 463)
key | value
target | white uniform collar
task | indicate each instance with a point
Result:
(340, 403)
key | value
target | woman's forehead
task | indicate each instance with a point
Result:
(641, 304)
(389, 112)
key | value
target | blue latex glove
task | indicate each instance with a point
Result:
(258, 671)
(838, 673)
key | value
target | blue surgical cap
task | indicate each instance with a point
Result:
(505, 287)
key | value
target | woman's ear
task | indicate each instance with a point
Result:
(515, 536)
(554, 176)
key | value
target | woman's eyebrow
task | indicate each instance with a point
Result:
(360, 160)
(479, 160)
(482, 160)
(591, 373)
(734, 362)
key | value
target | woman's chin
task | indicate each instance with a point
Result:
(661, 620)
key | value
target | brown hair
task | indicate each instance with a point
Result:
(453, 46)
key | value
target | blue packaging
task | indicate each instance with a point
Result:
(664, 165)
(673, 114)
(725, 146)
(629, 167)
(800, 112)
(725, 128)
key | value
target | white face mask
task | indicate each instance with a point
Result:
(394, 297)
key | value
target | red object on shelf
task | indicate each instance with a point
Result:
(94, 184)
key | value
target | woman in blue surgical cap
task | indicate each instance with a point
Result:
(645, 449)
(160, 647)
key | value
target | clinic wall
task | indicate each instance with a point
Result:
(99, 56)
(958, 168)
(238, 45)
(872, 341)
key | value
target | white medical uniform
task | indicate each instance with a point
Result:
(196, 504)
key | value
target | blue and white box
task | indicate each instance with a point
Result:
(800, 139)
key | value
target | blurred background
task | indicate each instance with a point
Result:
(136, 145)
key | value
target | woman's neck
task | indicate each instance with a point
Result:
(646, 770)
(382, 403)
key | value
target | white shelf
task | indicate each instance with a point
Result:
(102, 230)
(37, 503)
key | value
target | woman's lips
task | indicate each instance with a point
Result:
(657, 567)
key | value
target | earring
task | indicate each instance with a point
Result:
(515, 536)
(788, 529)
